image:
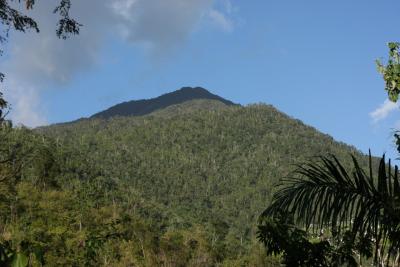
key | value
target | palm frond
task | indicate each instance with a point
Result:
(324, 194)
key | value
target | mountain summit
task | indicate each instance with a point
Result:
(146, 106)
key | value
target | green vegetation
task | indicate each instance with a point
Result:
(391, 71)
(361, 210)
(12, 18)
(183, 185)
(180, 187)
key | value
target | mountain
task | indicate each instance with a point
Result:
(146, 106)
(181, 186)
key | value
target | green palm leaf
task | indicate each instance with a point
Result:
(324, 194)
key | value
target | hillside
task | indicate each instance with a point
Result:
(181, 186)
(213, 168)
(146, 106)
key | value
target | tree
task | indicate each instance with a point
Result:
(391, 72)
(391, 75)
(13, 19)
(281, 236)
(3, 108)
(323, 194)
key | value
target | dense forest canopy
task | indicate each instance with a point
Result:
(181, 181)
(181, 187)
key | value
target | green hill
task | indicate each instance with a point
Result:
(183, 185)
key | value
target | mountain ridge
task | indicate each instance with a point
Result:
(146, 106)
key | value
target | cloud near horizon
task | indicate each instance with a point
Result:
(383, 111)
(34, 62)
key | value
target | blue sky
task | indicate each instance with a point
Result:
(313, 60)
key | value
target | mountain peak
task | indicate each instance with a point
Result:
(146, 106)
(192, 89)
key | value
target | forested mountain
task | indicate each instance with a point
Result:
(182, 186)
(143, 107)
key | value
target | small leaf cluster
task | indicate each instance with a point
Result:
(391, 71)
(12, 18)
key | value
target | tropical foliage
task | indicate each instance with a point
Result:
(355, 206)
(180, 187)
(391, 71)
(324, 195)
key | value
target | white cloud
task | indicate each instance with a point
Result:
(123, 8)
(228, 6)
(383, 111)
(26, 108)
(221, 20)
(223, 14)
(159, 23)
(42, 60)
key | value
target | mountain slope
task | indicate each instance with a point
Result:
(143, 107)
(181, 186)
(217, 168)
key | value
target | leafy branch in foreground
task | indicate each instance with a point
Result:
(281, 237)
(12, 18)
(297, 247)
(324, 195)
(391, 72)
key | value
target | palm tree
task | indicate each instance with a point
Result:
(324, 195)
